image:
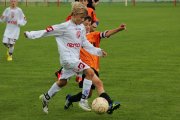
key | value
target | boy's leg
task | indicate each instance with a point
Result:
(9, 43)
(47, 96)
(6, 44)
(10, 52)
(55, 88)
(85, 93)
(83, 67)
(76, 98)
(11, 49)
(99, 86)
(112, 105)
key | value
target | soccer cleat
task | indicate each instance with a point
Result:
(113, 106)
(67, 103)
(9, 58)
(84, 105)
(44, 103)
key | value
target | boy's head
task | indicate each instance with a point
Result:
(84, 2)
(13, 3)
(79, 12)
(87, 23)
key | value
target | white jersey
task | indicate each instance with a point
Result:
(14, 19)
(70, 38)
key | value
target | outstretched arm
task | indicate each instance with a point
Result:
(49, 31)
(116, 30)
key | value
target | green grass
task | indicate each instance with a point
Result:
(141, 70)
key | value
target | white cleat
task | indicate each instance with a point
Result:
(44, 103)
(84, 105)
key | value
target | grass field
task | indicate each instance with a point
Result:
(142, 69)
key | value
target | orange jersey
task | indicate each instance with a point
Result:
(92, 14)
(93, 61)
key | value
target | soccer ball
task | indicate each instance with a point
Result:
(100, 105)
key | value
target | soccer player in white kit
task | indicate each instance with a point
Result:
(70, 37)
(14, 17)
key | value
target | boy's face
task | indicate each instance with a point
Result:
(87, 25)
(13, 3)
(79, 17)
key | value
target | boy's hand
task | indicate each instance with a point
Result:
(26, 34)
(103, 53)
(123, 26)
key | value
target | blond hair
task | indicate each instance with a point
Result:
(78, 8)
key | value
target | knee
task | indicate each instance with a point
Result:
(11, 45)
(89, 74)
(61, 83)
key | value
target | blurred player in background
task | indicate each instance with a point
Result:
(70, 37)
(92, 4)
(14, 17)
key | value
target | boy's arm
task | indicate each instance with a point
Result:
(22, 22)
(35, 34)
(22, 19)
(116, 30)
(3, 18)
(49, 31)
(91, 49)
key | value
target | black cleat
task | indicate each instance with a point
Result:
(67, 103)
(113, 106)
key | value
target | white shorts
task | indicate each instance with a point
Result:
(9, 40)
(73, 68)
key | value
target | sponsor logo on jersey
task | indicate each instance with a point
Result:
(78, 34)
(73, 45)
(81, 65)
(12, 22)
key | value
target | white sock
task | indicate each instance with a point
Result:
(86, 88)
(11, 50)
(53, 90)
